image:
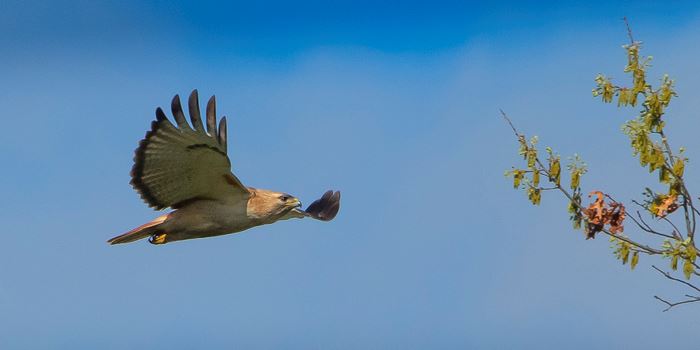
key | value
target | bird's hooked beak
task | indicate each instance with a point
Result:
(294, 203)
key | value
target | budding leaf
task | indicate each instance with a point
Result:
(535, 178)
(674, 262)
(535, 195)
(688, 268)
(554, 170)
(517, 177)
(679, 167)
(691, 252)
(575, 180)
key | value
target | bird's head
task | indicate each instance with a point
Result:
(269, 206)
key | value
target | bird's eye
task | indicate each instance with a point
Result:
(284, 198)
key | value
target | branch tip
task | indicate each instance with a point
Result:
(629, 30)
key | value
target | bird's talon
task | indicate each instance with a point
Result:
(158, 238)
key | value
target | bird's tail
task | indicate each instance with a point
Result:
(140, 232)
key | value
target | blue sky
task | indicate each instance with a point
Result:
(394, 104)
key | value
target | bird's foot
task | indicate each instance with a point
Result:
(158, 238)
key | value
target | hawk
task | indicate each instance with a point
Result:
(186, 168)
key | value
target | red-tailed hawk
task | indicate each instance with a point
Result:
(187, 168)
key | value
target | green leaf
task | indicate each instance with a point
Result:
(518, 177)
(535, 195)
(674, 262)
(624, 253)
(688, 269)
(679, 167)
(554, 170)
(535, 178)
(691, 252)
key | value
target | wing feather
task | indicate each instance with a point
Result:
(179, 115)
(176, 165)
(222, 133)
(195, 116)
(211, 116)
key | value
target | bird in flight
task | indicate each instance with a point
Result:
(186, 168)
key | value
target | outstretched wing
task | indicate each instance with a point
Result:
(175, 165)
(324, 208)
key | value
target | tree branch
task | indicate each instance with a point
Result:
(670, 304)
(644, 226)
(515, 131)
(691, 299)
(668, 275)
(629, 30)
(647, 249)
(688, 207)
(675, 228)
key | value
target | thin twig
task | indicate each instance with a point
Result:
(505, 116)
(644, 226)
(696, 211)
(670, 304)
(629, 30)
(668, 275)
(675, 228)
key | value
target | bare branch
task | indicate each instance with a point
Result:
(670, 304)
(629, 30)
(692, 298)
(644, 226)
(696, 211)
(505, 116)
(668, 275)
(675, 228)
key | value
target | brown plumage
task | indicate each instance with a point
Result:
(187, 168)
